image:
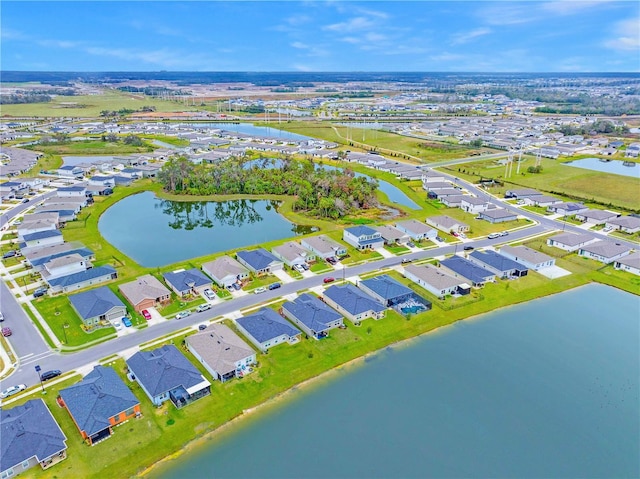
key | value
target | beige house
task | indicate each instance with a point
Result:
(145, 292)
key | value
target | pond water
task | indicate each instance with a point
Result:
(76, 160)
(616, 167)
(156, 232)
(546, 389)
(394, 194)
(250, 129)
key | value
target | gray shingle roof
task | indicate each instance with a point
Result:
(497, 261)
(144, 287)
(28, 430)
(95, 302)
(571, 239)
(220, 347)
(98, 397)
(42, 235)
(163, 369)
(312, 312)
(386, 287)
(82, 276)
(467, 269)
(258, 259)
(185, 280)
(266, 324)
(606, 249)
(352, 299)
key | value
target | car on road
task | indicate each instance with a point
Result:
(182, 314)
(50, 374)
(209, 294)
(12, 390)
(146, 314)
(274, 286)
(494, 235)
(1, 317)
(6, 332)
(504, 233)
(328, 279)
(126, 321)
(26, 200)
(468, 248)
(203, 307)
(406, 260)
(259, 290)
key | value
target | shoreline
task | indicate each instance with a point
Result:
(193, 444)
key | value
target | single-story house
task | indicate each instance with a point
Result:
(417, 230)
(604, 251)
(472, 273)
(96, 305)
(64, 266)
(313, 316)
(437, 185)
(145, 292)
(185, 282)
(259, 261)
(394, 294)
(521, 193)
(30, 435)
(571, 241)
(43, 238)
(362, 237)
(448, 224)
(68, 171)
(452, 201)
(544, 201)
(436, 280)
(166, 374)
(630, 263)
(39, 261)
(596, 217)
(528, 257)
(41, 222)
(353, 303)
(497, 215)
(225, 271)
(442, 193)
(567, 209)
(82, 279)
(627, 224)
(429, 176)
(266, 329)
(391, 235)
(98, 180)
(292, 253)
(323, 246)
(72, 192)
(502, 266)
(221, 351)
(473, 204)
(98, 403)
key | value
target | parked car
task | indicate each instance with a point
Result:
(1, 317)
(468, 248)
(504, 233)
(462, 235)
(259, 290)
(236, 286)
(6, 332)
(438, 238)
(202, 327)
(39, 292)
(329, 279)
(203, 307)
(26, 200)
(126, 321)
(9, 254)
(455, 234)
(50, 374)
(12, 390)
(331, 260)
(182, 314)
(606, 229)
(299, 268)
(494, 235)
(146, 314)
(411, 244)
(209, 294)
(274, 286)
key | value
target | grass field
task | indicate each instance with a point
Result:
(590, 186)
(91, 147)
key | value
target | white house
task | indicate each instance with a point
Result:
(417, 230)
(604, 251)
(629, 263)
(362, 237)
(528, 257)
(292, 253)
(436, 280)
(571, 241)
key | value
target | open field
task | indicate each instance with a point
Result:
(590, 186)
(91, 147)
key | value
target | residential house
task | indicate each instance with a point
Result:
(430, 176)
(353, 303)
(221, 351)
(502, 266)
(72, 192)
(166, 374)
(104, 181)
(521, 193)
(436, 280)
(39, 261)
(313, 316)
(629, 263)
(596, 217)
(145, 292)
(452, 201)
(266, 329)
(323, 246)
(448, 224)
(291, 253)
(626, 224)
(417, 230)
(30, 436)
(37, 223)
(473, 204)
(394, 294)
(530, 258)
(68, 171)
(82, 279)
(604, 251)
(97, 305)
(543, 201)
(497, 215)
(43, 238)
(225, 271)
(567, 209)
(98, 403)
(463, 268)
(570, 241)
(186, 282)
(391, 235)
(64, 265)
(259, 261)
(362, 237)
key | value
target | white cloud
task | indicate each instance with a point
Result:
(355, 24)
(570, 7)
(461, 38)
(626, 37)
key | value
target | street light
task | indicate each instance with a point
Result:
(38, 369)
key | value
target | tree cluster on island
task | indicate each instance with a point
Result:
(318, 192)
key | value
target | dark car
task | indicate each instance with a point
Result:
(9, 254)
(6, 332)
(39, 292)
(50, 374)
(468, 248)
(274, 285)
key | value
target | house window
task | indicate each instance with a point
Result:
(129, 412)
(25, 464)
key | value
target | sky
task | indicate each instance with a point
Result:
(443, 36)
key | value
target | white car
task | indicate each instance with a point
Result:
(203, 307)
(494, 235)
(259, 290)
(209, 294)
(182, 314)
(1, 317)
(12, 390)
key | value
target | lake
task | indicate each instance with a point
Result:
(156, 232)
(549, 388)
(76, 160)
(251, 129)
(616, 167)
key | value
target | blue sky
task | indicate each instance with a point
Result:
(503, 36)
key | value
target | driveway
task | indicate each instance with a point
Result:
(283, 276)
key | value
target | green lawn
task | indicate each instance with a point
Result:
(320, 267)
